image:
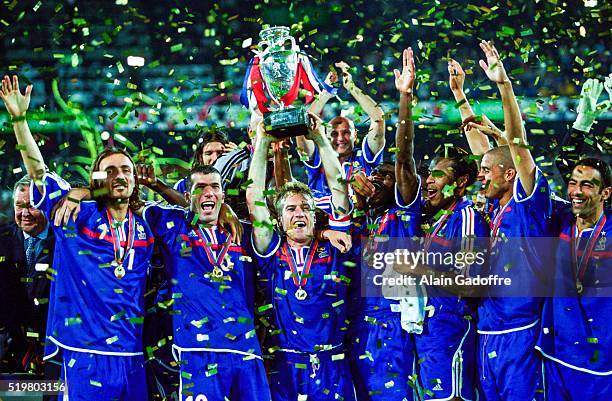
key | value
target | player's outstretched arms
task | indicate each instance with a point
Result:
(376, 132)
(17, 105)
(477, 141)
(256, 201)
(331, 165)
(405, 167)
(521, 155)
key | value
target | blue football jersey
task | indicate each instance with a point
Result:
(463, 230)
(361, 160)
(209, 313)
(400, 221)
(181, 186)
(90, 308)
(515, 255)
(575, 329)
(316, 320)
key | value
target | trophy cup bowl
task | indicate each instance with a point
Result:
(279, 67)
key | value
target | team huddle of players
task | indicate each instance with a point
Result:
(318, 334)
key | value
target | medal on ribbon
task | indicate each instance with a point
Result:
(221, 262)
(121, 252)
(581, 263)
(300, 278)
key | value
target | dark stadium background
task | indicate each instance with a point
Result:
(198, 51)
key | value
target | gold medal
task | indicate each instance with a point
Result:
(579, 287)
(217, 272)
(301, 294)
(119, 271)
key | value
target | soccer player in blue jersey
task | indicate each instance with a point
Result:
(304, 280)
(509, 367)
(343, 136)
(381, 348)
(213, 286)
(446, 348)
(101, 263)
(575, 339)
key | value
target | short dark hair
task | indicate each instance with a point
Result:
(600, 165)
(462, 163)
(208, 135)
(502, 156)
(200, 169)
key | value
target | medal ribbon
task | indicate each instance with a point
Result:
(580, 264)
(298, 281)
(498, 220)
(209, 253)
(440, 225)
(115, 236)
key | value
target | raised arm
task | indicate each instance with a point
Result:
(147, 177)
(405, 167)
(306, 146)
(331, 165)
(376, 133)
(282, 167)
(256, 200)
(321, 100)
(521, 155)
(17, 106)
(478, 141)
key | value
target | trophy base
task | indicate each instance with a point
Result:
(287, 123)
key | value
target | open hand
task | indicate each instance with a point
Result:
(456, 76)
(404, 82)
(347, 78)
(16, 103)
(493, 67)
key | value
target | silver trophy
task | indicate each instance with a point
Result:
(279, 61)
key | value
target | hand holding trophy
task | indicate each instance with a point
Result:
(275, 78)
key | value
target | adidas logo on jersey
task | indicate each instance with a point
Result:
(438, 387)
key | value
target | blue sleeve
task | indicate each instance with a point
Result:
(181, 186)
(314, 162)
(415, 206)
(54, 188)
(538, 203)
(163, 220)
(368, 158)
(267, 260)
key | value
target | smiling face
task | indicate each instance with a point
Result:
(31, 221)
(439, 192)
(496, 179)
(211, 152)
(206, 197)
(298, 217)
(585, 191)
(383, 179)
(120, 179)
(342, 137)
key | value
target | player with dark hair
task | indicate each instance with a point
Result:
(447, 346)
(381, 347)
(575, 339)
(101, 264)
(213, 317)
(508, 366)
(212, 144)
